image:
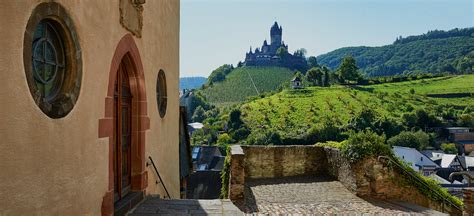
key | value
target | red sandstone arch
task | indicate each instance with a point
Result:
(127, 52)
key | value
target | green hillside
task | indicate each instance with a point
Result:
(435, 52)
(302, 116)
(454, 90)
(238, 85)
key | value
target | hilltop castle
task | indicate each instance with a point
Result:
(272, 55)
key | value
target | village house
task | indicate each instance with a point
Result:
(418, 161)
(87, 102)
(296, 83)
(463, 137)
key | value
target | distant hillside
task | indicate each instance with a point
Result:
(433, 52)
(191, 82)
(238, 85)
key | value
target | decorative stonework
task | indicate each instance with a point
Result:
(64, 55)
(131, 16)
(128, 53)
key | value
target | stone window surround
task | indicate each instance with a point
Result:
(162, 97)
(64, 101)
(127, 52)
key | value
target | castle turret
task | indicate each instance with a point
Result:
(275, 34)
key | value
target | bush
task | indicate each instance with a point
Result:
(223, 139)
(225, 173)
(418, 140)
(449, 148)
(266, 137)
(364, 144)
(331, 144)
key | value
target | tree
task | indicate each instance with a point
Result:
(348, 70)
(223, 139)
(418, 140)
(314, 76)
(363, 120)
(281, 52)
(220, 73)
(199, 114)
(326, 77)
(466, 120)
(301, 52)
(235, 122)
(364, 144)
(312, 62)
(298, 74)
(449, 148)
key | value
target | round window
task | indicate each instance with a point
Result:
(52, 60)
(161, 96)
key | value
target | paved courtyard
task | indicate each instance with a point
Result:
(285, 196)
(157, 206)
(316, 195)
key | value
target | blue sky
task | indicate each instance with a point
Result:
(216, 32)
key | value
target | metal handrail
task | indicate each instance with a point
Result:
(420, 181)
(462, 173)
(158, 174)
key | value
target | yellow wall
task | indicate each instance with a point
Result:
(60, 166)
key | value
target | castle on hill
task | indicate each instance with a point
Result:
(275, 53)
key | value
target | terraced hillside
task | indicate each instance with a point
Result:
(295, 114)
(456, 90)
(244, 82)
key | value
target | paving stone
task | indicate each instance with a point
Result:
(284, 196)
(309, 196)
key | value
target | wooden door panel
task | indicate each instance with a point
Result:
(122, 135)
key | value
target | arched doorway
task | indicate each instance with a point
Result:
(122, 134)
(125, 123)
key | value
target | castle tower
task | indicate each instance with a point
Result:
(275, 34)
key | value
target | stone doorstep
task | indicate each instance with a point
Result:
(128, 202)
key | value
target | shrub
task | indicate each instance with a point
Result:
(418, 140)
(331, 144)
(225, 173)
(364, 144)
(449, 148)
(223, 139)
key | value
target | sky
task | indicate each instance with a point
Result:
(217, 32)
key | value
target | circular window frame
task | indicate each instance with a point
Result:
(161, 93)
(61, 102)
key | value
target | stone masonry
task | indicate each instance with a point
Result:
(369, 178)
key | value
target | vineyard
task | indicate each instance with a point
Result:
(293, 114)
(238, 85)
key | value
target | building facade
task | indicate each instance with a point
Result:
(86, 100)
(270, 55)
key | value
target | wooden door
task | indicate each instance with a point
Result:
(122, 134)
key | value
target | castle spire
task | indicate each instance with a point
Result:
(275, 34)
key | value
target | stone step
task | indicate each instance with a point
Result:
(156, 206)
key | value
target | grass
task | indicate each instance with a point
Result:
(439, 85)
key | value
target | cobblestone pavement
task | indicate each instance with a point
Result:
(157, 206)
(315, 196)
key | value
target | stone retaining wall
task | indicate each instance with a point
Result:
(368, 178)
(283, 161)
